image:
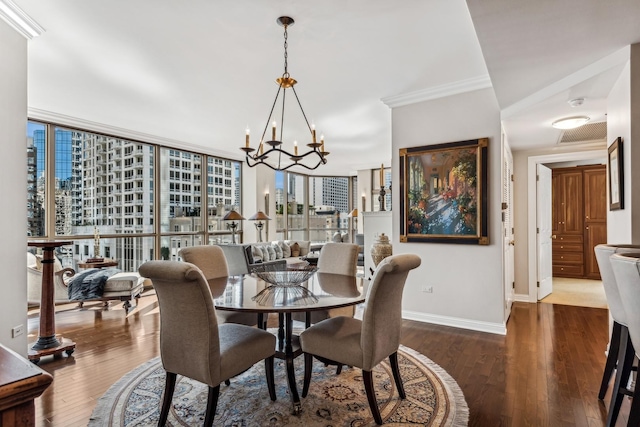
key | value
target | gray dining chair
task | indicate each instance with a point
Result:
(626, 268)
(365, 343)
(619, 332)
(213, 264)
(334, 258)
(193, 344)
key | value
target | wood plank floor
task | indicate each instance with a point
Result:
(545, 372)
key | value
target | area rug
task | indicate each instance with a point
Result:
(433, 398)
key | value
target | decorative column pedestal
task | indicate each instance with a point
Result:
(48, 343)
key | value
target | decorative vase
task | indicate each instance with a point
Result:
(381, 249)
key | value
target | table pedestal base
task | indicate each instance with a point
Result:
(63, 345)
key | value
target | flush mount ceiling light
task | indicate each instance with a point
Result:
(570, 122)
(314, 157)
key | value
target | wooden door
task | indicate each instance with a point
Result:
(557, 197)
(573, 203)
(595, 216)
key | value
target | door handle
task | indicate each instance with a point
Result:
(512, 243)
(553, 236)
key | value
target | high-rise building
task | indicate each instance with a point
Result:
(106, 185)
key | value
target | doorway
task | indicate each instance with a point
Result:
(594, 156)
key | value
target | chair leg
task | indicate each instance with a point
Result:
(393, 361)
(338, 369)
(308, 366)
(612, 357)
(212, 404)
(169, 387)
(268, 368)
(367, 376)
(625, 361)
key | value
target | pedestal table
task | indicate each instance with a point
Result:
(48, 343)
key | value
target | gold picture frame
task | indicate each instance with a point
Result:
(443, 193)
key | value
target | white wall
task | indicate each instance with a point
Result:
(623, 113)
(466, 279)
(13, 176)
(619, 125)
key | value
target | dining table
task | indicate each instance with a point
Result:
(322, 291)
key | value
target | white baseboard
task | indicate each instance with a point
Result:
(474, 325)
(522, 298)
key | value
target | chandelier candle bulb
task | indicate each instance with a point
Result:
(295, 148)
(382, 175)
(273, 131)
(247, 139)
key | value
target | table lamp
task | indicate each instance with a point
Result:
(259, 217)
(233, 216)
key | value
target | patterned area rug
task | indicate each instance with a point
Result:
(433, 397)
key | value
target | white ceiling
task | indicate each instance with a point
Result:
(198, 72)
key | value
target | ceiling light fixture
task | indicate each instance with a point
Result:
(314, 157)
(576, 102)
(570, 122)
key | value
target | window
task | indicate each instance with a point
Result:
(106, 183)
(329, 207)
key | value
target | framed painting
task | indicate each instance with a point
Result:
(443, 193)
(616, 176)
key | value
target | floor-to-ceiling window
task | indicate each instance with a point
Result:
(124, 199)
(312, 208)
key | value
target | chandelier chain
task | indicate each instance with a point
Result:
(286, 55)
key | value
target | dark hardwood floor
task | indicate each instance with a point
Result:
(545, 372)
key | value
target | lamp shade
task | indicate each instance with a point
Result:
(259, 216)
(353, 212)
(232, 216)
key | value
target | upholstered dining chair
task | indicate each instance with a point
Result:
(334, 258)
(365, 343)
(626, 268)
(192, 343)
(619, 332)
(213, 264)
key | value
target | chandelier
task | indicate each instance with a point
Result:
(283, 159)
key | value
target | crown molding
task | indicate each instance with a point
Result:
(436, 92)
(19, 20)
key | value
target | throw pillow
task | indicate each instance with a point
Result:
(276, 247)
(272, 253)
(256, 253)
(265, 254)
(286, 249)
(336, 237)
(305, 247)
(344, 237)
(295, 249)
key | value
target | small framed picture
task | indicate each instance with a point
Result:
(616, 176)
